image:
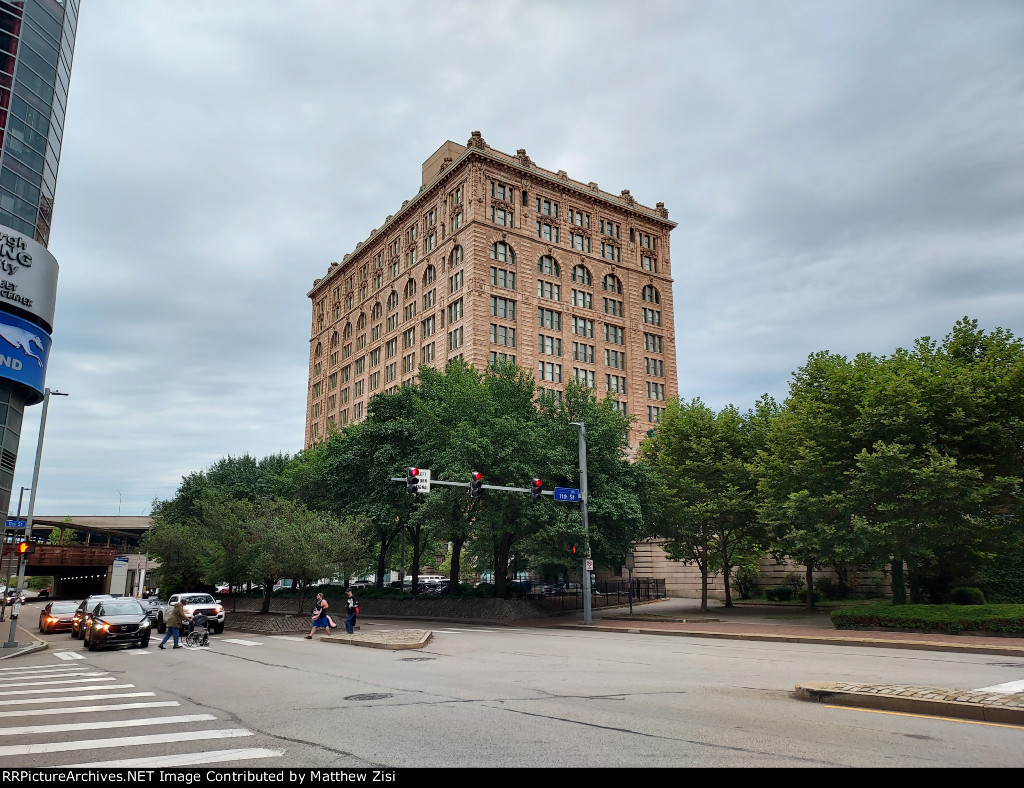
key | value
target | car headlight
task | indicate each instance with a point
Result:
(144, 624)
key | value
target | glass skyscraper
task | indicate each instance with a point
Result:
(37, 41)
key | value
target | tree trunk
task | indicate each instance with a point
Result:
(501, 553)
(897, 583)
(809, 575)
(268, 590)
(704, 587)
(727, 573)
(453, 586)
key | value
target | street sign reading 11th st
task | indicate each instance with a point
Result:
(567, 494)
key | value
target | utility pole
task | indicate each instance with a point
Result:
(587, 617)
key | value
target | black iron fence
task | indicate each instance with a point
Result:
(604, 593)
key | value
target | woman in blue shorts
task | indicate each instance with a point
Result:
(320, 618)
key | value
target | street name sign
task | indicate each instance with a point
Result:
(567, 494)
(14, 523)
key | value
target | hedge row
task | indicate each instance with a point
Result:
(932, 618)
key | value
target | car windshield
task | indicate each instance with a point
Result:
(63, 607)
(197, 599)
(121, 609)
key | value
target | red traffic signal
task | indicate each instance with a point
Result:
(573, 548)
(535, 490)
(411, 479)
(476, 482)
(25, 548)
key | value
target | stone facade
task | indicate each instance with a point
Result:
(496, 258)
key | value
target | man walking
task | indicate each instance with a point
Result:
(175, 621)
(351, 610)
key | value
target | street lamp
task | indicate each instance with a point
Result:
(16, 609)
(582, 440)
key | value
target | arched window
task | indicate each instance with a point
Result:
(393, 301)
(410, 288)
(612, 284)
(456, 257)
(317, 350)
(581, 275)
(650, 293)
(375, 315)
(361, 323)
(334, 339)
(429, 276)
(503, 253)
(348, 331)
(547, 265)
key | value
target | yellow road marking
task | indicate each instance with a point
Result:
(926, 716)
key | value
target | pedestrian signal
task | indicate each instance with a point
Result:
(26, 548)
(535, 490)
(476, 483)
(412, 480)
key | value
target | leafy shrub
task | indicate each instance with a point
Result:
(794, 581)
(932, 618)
(966, 596)
(778, 593)
(818, 596)
(831, 589)
(745, 581)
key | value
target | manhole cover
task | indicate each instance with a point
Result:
(370, 696)
(416, 659)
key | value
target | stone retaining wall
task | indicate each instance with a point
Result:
(428, 606)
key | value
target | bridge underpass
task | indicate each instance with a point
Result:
(84, 564)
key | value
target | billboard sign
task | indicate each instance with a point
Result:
(28, 276)
(24, 351)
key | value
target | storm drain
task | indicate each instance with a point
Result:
(370, 696)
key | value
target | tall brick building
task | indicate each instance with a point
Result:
(495, 258)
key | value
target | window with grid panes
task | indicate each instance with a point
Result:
(549, 371)
(357, 388)
(614, 334)
(455, 311)
(655, 367)
(357, 411)
(549, 346)
(427, 353)
(652, 343)
(502, 358)
(316, 389)
(581, 275)
(455, 337)
(409, 311)
(548, 266)
(548, 318)
(429, 299)
(501, 217)
(547, 232)
(375, 333)
(499, 191)
(501, 277)
(579, 218)
(612, 284)
(392, 322)
(391, 348)
(609, 228)
(648, 263)
(427, 327)
(346, 350)
(582, 299)
(652, 317)
(429, 275)
(579, 242)
(650, 294)
(612, 306)
(611, 252)
(408, 363)
(430, 243)
(408, 338)
(549, 290)
(502, 252)
(456, 280)
(584, 376)
(359, 366)
(390, 371)
(655, 390)
(374, 357)
(616, 359)
(547, 207)
(583, 352)
(583, 327)
(503, 335)
(503, 307)
(334, 359)
(456, 221)
(616, 383)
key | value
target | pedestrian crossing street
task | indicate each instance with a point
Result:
(57, 713)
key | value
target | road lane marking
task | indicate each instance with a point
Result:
(68, 655)
(58, 689)
(49, 682)
(75, 698)
(1009, 687)
(86, 709)
(187, 759)
(121, 741)
(241, 642)
(67, 689)
(49, 667)
(102, 724)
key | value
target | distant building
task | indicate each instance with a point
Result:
(498, 259)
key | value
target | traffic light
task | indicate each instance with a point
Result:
(26, 548)
(573, 548)
(535, 489)
(476, 482)
(411, 479)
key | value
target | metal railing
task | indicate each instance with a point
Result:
(604, 593)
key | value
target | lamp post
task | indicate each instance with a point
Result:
(587, 617)
(16, 608)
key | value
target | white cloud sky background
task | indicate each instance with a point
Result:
(847, 176)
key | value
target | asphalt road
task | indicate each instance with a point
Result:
(485, 697)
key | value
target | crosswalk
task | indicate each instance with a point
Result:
(57, 710)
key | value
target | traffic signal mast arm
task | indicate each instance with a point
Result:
(482, 486)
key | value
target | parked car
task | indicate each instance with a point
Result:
(80, 619)
(194, 603)
(117, 621)
(10, 597)
(57, 616)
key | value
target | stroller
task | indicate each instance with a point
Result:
(199, 631)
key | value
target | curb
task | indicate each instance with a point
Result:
(909, 700)
(405, 639)
(1005, 651)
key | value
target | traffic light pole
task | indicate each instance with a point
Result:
(16, 608)
(587, 617)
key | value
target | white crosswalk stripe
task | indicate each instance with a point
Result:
(68, 655)
(66, 692)
(241, 642)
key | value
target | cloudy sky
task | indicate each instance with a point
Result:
(846, 176)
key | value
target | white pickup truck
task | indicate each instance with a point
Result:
(193, 603)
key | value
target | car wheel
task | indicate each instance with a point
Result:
(89, 642)
(85, 640)
(161, 627)
(218, 629)
(144, 643)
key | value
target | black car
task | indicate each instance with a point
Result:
(119, 621)
(78, 623)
